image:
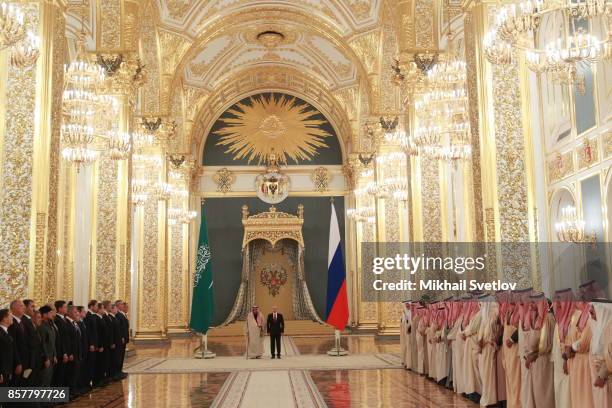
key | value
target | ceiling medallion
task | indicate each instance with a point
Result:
(272, 124)
(272, 186)
(270, 36)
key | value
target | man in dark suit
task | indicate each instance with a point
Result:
(91, 322)
(18, 332)
(84, 381)
(276, 327)
(125, 334)
(103, 347)
(73, 366)
(8, 351)
(47, 333)
(116, 351)
(112, 333)
(63, 345)
(34, 346)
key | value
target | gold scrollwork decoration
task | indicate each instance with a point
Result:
(224, 179)
(321, 179)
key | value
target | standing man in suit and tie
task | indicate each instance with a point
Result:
(62, 345)
(125, 334)
(18, 332)
(7, 349)
(84, 381)
(74, 366)
(91, 322)
(276, 327)
(34, 345)
(118, 340)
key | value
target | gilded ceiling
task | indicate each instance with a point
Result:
(192, 49)
(222, 56)
(191, 17)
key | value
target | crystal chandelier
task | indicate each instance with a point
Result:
(12, 25)
(80, 103)
(142, 140)
(391, 158)
(443, 128)
(140, 192)
(362, 214)
(427, 135)
(448, 70)
(147, 160)
(516, 25)
(178, 193)
(25, 53)
(396, 188)
(452, 152)
(163, 191)
(571, 228)
(367, 172)
(376, 190)
(81, 108)
(179, 215)
(119, 145)
(76, 138)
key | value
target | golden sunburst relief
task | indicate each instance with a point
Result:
(272, 124)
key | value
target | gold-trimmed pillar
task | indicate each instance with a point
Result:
(28, 160)
(179, 281)
(116, 25)
(151, 260)
(506, 162)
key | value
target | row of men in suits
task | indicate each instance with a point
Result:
(63, 345)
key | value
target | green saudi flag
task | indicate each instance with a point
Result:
(203, 302)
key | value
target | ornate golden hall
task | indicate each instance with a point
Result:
(151, 146)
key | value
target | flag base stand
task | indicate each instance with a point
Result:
(202, 351)
(337, 350)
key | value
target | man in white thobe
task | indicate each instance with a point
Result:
(405, 346)
(254, 330)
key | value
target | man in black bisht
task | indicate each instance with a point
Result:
(125, 334)
(63, 345)
(91, 322)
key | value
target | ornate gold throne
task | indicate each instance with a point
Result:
(273, 227)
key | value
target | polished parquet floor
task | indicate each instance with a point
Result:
(338, 388)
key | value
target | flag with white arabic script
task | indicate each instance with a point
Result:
(203, 302)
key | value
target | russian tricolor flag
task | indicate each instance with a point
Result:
(337, 301)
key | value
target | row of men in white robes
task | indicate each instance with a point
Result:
(515, 346)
